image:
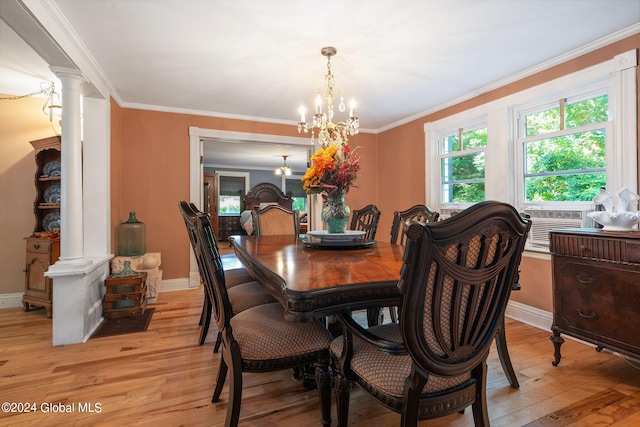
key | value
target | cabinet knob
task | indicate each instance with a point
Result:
(37, 246)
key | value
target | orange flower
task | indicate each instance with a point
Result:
(333, 168)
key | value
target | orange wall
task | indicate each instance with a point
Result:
(150, 174)
(150, 166)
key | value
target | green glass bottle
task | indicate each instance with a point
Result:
(132, 237)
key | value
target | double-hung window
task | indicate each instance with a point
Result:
(461, 159)
(563, 148)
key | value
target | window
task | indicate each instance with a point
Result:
(549, 147)
(462, 165)
(564, 149)
(232, 188)
(298, 195)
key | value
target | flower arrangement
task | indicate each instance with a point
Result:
(334, 169)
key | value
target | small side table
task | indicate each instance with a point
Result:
(125, 296)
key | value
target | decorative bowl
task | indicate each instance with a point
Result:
(627, 200)
(616, 221)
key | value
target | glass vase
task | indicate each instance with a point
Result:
(335, 213)
(132, 237)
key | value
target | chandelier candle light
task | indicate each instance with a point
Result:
(334, 166)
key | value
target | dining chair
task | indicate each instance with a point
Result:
(275, 220)
(246, 291)
(366, 219)
(258, 339)
(402, 219)
(455, 284)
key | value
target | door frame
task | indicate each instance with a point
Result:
(196, 174)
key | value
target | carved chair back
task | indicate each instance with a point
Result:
(402, 219)
(366, 219)
(456, 283)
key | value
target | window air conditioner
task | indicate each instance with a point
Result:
(545, 220)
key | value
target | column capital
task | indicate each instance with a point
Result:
(61, 72)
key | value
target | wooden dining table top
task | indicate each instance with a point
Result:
(312, 282)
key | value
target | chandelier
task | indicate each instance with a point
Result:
(52, 107)
(284, 169)
(329, 133)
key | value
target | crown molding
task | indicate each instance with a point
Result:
(605, 41)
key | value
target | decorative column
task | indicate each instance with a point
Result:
(71, 215)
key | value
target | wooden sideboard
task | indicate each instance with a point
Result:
(596, 288)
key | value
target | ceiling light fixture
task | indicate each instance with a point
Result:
(52, 107)
(329, 133)
(284, 169)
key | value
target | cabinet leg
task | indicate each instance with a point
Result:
(557, 341)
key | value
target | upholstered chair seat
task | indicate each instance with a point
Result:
(286, 340)
(247, 295)
(384, 374)
(235, 276)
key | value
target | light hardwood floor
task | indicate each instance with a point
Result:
(161, 377)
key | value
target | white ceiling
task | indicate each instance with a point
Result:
(260, 59)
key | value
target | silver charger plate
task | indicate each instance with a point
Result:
(347, 236)
(315, 243)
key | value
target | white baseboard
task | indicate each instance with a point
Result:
(13, 300)
(529, 315)
(175, 285)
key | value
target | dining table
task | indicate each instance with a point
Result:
(315, 280)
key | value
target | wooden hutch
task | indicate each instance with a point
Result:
(43, 246)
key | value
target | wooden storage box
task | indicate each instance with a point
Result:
(125, 296)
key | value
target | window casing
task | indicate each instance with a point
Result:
(461, 163)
